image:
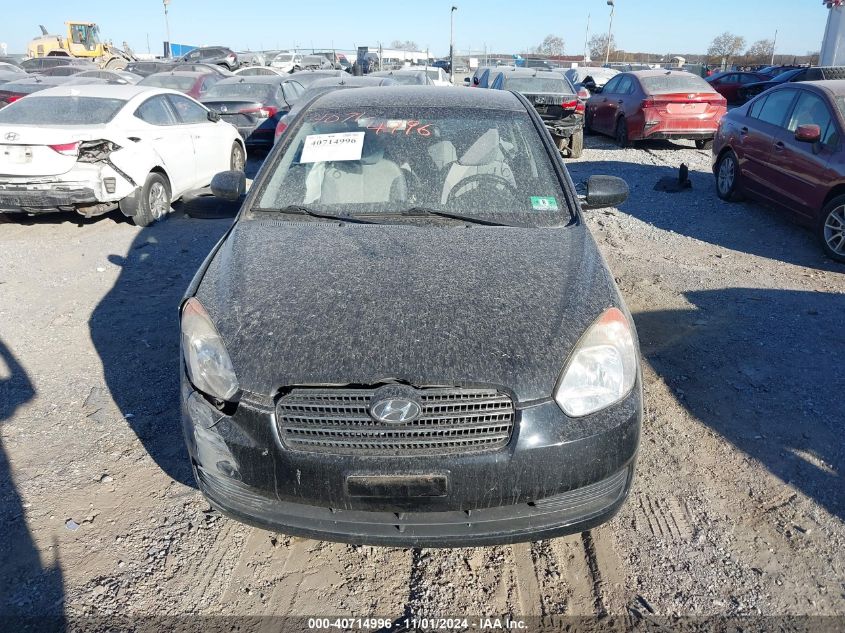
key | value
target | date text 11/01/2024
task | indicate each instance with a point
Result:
(422, 623)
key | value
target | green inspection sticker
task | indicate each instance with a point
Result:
(544, 203)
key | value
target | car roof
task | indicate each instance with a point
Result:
(835, 87)
(421, 96)
(255, 79)
(531, 72)
(104, 90)
(658, 72)
(345, 80)
(196, 74)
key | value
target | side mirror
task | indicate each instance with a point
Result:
(808, 133)
(466, 80)
(229, 185)
(603, 191)
(475, 81)
(213, 116)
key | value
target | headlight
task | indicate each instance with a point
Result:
(209, 366)
(602, 369)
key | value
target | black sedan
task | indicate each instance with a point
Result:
(409, 336)
(254, 105)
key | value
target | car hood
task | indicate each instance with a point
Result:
(316, 303)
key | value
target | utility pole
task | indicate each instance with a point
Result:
(586, 40)
(612, 5)
(774, 43)
(452, 45)
(167, 28)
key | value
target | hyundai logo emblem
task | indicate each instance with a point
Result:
(11, 136)
(395, 410)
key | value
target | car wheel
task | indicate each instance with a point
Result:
(576, 144)
(621, 136)
(704, 143)
(832, 229)
(238, 159)
(154, 203)
(727, 177)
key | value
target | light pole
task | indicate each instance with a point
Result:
(774, 43)
(167, 27)
(452, 45)
(612, 6)
(586, 41)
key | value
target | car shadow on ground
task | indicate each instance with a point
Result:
(697, 212)
(763, 369)
(31, 592)
(135, 330)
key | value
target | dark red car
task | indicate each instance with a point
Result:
(193, 84)
(656, 104)
(785, 147)
(728, 84)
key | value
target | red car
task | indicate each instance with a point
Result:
(785, 147)
(656, 104)
(193, 84)
(728, 84)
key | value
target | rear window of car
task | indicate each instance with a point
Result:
(240, 91)
(676, 82)
(284, 57)
(174, 82)
(61, 111)
(383, 160)
(536, 84)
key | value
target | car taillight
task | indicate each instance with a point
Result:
(66, 149)
(280, 129)
(13, 98)
(569, 104)
(581, 108)
(264, 112)
(648, 103)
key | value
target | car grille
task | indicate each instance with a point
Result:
(452, 421)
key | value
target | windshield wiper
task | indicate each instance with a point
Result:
(303, 210)
(472, 219)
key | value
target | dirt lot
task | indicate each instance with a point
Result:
(738, 506)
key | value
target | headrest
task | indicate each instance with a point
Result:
(484, 151)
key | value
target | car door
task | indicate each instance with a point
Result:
(212, 148)
(609, 101)
(802, 170)
(171, 141)
(767, 117)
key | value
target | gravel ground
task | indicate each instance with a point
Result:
(737, 508)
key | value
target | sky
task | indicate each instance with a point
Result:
(659, 26)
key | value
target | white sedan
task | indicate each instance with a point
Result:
(95, 148)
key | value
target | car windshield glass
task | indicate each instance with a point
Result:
(680, 82)
(174, 82)
(536, 84)
(406, 79)
(484, 163)
(786, 76)
(284, 58)
(434, 75)
(240, 91)
(61, 111)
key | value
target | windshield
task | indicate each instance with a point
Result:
(284, 57)
(536, 84)
(433, 74)
(786, 76)
(61, 111)
(174, 82)
(681, 82)
(406, 79)
(263, 92)
(483, 163)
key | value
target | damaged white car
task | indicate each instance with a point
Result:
(95, 148)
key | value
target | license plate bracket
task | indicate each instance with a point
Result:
(396, 486)
(17, 154)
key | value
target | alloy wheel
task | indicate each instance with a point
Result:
(834, 230)
(727, 175)
(238, 161)
(159, 204)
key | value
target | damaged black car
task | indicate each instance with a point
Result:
(409, 337)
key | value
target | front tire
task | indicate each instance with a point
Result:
(832, 229)
(237, 161)
(155, 200)
(727, 177)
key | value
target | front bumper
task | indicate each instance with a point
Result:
(557, 476)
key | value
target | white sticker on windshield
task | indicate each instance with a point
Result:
(320, 148)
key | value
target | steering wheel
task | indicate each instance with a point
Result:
(486, 186)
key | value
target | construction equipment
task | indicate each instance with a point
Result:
(82, 40)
